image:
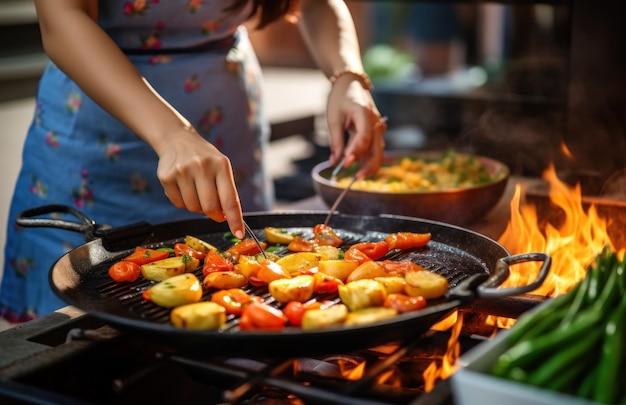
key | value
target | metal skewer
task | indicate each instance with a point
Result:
(256, 240)
(333, 179)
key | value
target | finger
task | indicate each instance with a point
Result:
(374, 158)
(229, 199)
(336, 133)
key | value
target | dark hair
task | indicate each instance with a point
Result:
(268, 10)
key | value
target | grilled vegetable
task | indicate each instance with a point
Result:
(259, 315)
(234, 300)
(175, 291)
(143, 255)
(300, 262)
(392, 284)
(369, 315)
(278, 236)
(198, 244)
(361, 294)
(199, 316)
(172, 266)
(340, 269)
(125, 271)
(299, 288)
(324, 317)
(425, 283)
(367, 270)
(224, 280)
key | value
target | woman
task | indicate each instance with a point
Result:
(151, 110)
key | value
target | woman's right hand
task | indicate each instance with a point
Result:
(195, 175)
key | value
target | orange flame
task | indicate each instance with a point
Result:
(436, 371)
(572, 246)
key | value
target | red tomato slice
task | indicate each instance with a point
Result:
(404, 303)
(407, 240)
(143, 255)
(125, 271)
(324, 284)
(356, 255)
(245, 247)
(299, 244)
(373, 250)
(182, 249)
(213, 261)
(400, 267)
(325, 235)
(259, 315)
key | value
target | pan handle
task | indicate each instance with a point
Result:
(489, 289)
(86, 226)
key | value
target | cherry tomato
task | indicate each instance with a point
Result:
(356, 255)
(299, 244)
(245, 247)
(143, 255)
(213, 261)
(259, 315)
(325, 235)
(182, 249)
(125, 271)
(373, 250)
(325, 283)
(234, 300)
(404, 303)
(407, 240)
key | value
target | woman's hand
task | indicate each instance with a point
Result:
(198, 177)
(351, 108)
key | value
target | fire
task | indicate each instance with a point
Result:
(572, 244)
(447, 367)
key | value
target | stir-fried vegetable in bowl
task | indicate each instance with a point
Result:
(447, 186)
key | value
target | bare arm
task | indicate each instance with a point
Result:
(329, 32)
(194, 174)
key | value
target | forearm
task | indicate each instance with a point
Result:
(328, 30)
(77, 45)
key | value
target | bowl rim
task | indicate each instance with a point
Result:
(502, 170)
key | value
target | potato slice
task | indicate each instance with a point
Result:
(175, 291)
(277, 236)
(199, 316)
(297, 263)
(361, 294)
(172, 266)
(323, 318)
(198, 244)
(369, 315)
(392, 284)
(370, 269)
(224, 280)
(299, 288)
(340, 269)
(426, 283)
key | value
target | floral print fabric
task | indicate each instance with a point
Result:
(76, 154)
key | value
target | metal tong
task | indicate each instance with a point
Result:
(333, 179)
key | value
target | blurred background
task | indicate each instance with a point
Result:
(530, 83)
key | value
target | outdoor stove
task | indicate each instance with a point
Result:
(69, 357)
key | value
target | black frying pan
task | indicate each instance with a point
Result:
(473, 264)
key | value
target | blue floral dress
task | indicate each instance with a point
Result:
(77, 154)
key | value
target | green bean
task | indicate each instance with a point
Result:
(586, 387)
(533, 351)
(528, 321)
(607, 389)
(567, 379)
(565, 359)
